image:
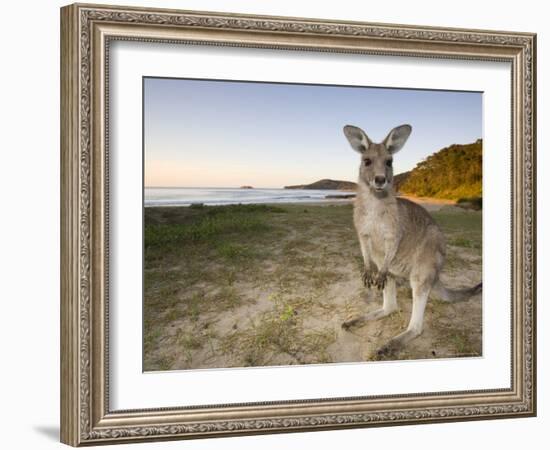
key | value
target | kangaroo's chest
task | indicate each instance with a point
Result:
(376, 224)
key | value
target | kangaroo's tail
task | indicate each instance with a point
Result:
(455, 295)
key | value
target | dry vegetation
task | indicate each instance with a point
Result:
(260, 285)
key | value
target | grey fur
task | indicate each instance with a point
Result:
(398, 238)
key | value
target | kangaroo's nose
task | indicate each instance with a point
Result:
(379, 180)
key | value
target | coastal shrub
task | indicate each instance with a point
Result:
(475, 203)
(207, 228)
(245, 209)
(453, 172)
(211, 223)
(232, 251)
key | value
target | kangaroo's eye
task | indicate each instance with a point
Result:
(367, 162)
(389, 162)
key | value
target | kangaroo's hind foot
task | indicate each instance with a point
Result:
(390, 305)
(353, 322)
(421, 290)
(394, 345)
(359, 321)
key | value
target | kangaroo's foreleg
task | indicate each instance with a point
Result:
(391, 245)
(369, 271)
(389, 306)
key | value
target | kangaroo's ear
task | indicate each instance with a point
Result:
(357, 138)
(397, 137)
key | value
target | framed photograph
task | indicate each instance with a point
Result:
(276, 224)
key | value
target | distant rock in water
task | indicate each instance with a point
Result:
(340, 197)
(247, 187)
(328, 184)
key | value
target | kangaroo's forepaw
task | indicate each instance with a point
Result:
(380, 280)
(368, 278)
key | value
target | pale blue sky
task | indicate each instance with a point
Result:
(225, 134)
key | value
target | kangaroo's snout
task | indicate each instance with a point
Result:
(379, 180)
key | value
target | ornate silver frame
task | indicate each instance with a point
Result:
(86, 31)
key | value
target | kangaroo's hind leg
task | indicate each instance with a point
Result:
(389, 306)
(421, 288)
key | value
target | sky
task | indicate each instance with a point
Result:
(205, 133)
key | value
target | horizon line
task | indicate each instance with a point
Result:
(237, 187)
(283, 187)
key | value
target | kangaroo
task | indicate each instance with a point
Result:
(398, 238)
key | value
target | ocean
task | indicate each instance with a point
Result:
(231, 196)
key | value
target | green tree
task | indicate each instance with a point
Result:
(453, 172)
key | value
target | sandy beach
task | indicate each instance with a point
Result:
(258, 285)
(431, 204)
